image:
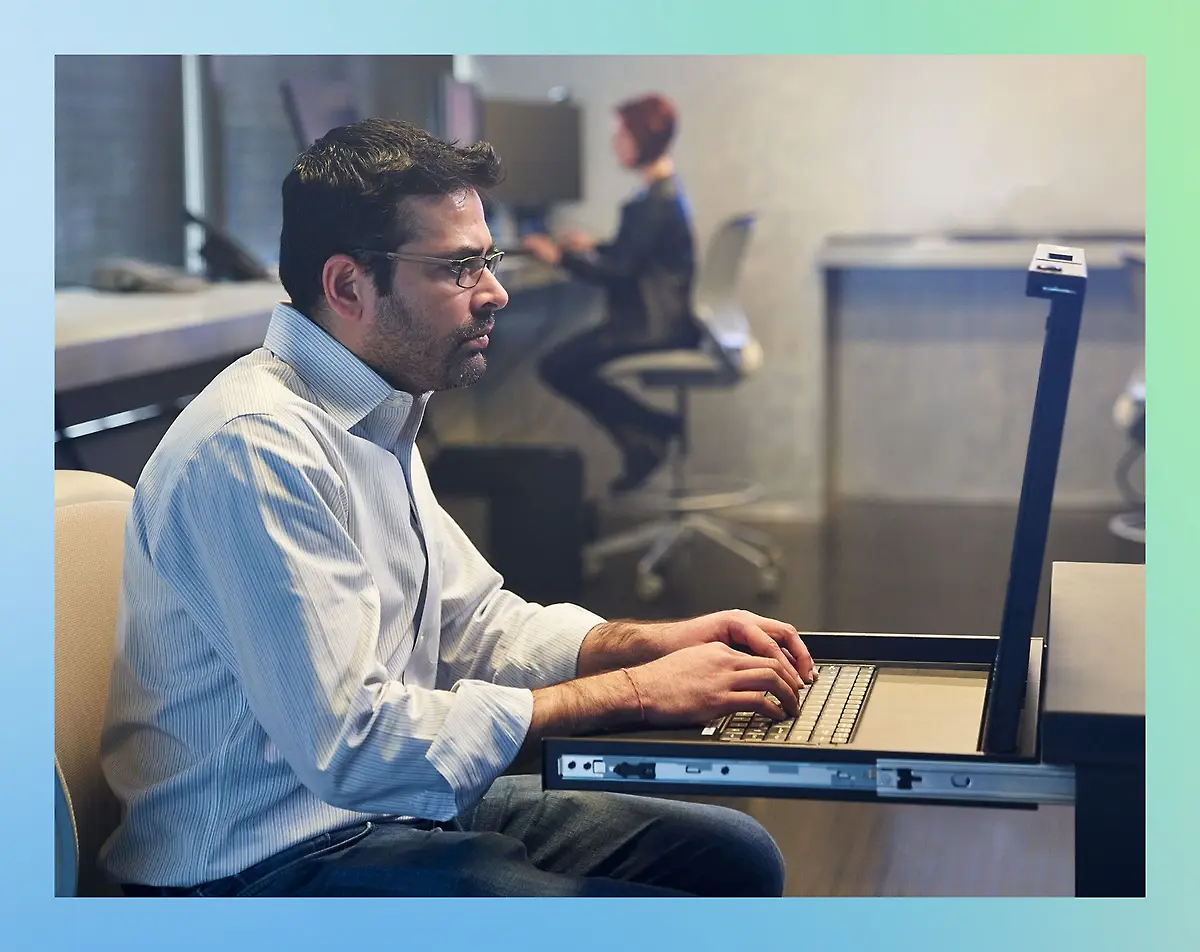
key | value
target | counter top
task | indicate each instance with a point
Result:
(103, 336)
(950, 252)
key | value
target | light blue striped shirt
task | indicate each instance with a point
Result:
(306, 638)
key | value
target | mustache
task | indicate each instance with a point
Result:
(477, 328)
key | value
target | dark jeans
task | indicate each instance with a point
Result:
(573, 370)
(523, 841)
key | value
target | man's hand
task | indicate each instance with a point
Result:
(575, 240)
(623, 643)
(689, 686)
(700, 682)
(765, 637)
(543, 248)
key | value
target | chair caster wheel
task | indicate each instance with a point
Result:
(648, 586)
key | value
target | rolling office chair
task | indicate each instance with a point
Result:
(1129, 414)
(89, 526)
(727, 355)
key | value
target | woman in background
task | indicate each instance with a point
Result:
(646, 271)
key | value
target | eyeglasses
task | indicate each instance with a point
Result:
(467, 271)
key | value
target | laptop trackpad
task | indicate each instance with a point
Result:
(911, 709)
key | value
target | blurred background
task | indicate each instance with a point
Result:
(875, 449)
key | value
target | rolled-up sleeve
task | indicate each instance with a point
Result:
(258, 553)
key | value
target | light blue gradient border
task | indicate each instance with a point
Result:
(1160, 30)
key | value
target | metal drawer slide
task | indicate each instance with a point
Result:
(910, 779)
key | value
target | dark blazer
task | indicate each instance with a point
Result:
(648, 268)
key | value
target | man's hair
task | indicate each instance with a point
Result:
(651, 121)
(348, 191)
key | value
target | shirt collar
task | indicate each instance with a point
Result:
(345, 387)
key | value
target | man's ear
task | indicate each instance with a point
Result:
(347, 288)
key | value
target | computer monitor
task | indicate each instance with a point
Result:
(314, 107)
(540, 144)
(1058, 274)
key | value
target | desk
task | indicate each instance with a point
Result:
(120, 352)
(1094, 718)
(101, 337)
(1083, 736)
(936, 252)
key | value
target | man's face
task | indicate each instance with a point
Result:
(428, 333)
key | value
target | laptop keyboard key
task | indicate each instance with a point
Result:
(829, 711)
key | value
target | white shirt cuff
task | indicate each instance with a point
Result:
(480, 737)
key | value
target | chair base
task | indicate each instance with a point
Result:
(663, 536)
(1130, 526)
(696, 494)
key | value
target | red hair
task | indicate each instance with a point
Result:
(650, 120)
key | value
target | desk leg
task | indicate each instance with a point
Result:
(1110, 831)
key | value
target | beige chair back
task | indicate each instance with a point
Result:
(89, 527)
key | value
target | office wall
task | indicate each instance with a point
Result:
(254, 139)
(118, 162)
(823, 145)
(934, 382)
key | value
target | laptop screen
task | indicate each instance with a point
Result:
(1059, 275)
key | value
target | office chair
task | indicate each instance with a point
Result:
(89, 526)
(727, 355)
(1129, 414)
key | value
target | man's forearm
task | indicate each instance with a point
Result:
(601, 697)
(617, 644)
(583, 706)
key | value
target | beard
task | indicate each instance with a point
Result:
(411, 356)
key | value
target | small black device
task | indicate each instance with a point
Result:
(226, 259)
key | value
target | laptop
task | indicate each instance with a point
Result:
(893, 695)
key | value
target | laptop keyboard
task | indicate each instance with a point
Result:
(829, 710)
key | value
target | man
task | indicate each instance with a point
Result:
(319, 682)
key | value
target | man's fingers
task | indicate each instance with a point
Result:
(768, 679)
(778, 664)
(757, 702)
(763, 645)
(782, 634)
(803, 659)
